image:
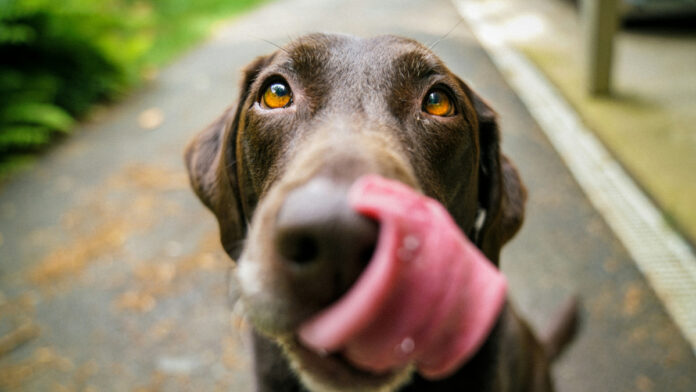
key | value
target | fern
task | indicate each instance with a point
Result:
(60, 57)
(24, 137)
(43, 114)
(52, 71)
(16, 33)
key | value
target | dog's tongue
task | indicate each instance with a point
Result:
(428, 296)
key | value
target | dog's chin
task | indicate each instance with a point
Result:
(333, 373)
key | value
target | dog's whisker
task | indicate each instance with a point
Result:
(232, 290)
(432, 46)
(271, 43)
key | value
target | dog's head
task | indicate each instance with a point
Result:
(311, 119)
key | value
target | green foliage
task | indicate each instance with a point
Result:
(43, 114)
(58, 58)
(52, 71)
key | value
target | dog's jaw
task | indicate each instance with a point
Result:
(264, 292)
(323, 373)
(317, 373)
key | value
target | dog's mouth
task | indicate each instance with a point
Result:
(428, 297)
(426, 301)
(334, 371)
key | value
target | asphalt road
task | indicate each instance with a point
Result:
(111, 272)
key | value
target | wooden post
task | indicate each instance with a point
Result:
(600, 21)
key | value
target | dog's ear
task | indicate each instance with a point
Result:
(211, 162)
(501, 194)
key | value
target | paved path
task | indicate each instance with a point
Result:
(111, 268)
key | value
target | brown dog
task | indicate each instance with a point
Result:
(311, 119)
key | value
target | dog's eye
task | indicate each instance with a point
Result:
(277, 95)
(438, 103)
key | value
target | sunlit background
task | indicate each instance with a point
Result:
(111, 272)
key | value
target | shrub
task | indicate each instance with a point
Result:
(52, 70)
(59, 57)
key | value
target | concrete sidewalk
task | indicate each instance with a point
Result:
(108, 253)
(649, 120)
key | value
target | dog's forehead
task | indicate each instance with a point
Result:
(372, 60)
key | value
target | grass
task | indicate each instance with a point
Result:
(175, 25)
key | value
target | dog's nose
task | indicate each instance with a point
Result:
(324, 244)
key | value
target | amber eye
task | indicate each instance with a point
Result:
(277, 95)
(438, 103)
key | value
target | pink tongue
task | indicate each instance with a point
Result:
(428, 296)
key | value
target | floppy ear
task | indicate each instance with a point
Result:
(211, 162)
(501, 192)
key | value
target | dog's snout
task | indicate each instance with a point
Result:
(325, 244)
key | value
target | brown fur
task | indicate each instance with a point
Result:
(356, 110)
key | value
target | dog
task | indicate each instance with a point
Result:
(275, 168)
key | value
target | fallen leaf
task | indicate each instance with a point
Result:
(151, 118)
